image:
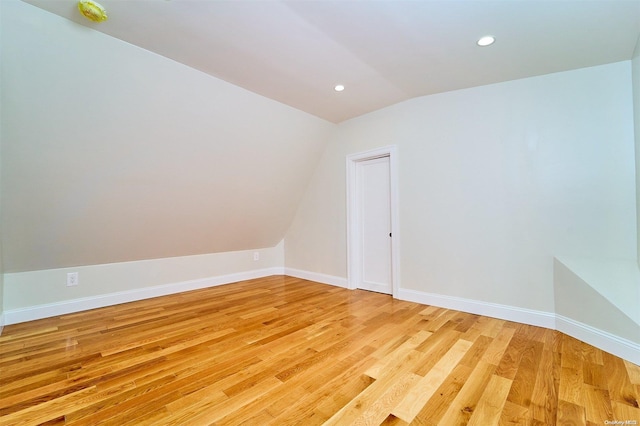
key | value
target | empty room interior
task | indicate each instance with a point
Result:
(319, 212)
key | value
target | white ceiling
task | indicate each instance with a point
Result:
(384, 52)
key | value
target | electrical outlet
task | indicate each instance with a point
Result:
(72, 279)
(256, 255)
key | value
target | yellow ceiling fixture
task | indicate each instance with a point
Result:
(92, 10)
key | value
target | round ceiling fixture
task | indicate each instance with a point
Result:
(486, 40)
(92, 10)
(339, 88)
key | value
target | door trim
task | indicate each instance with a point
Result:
(353, 230)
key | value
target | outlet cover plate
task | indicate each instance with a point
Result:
(72, 279)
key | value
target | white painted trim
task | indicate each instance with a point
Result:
(495, 310)
(606, 341)
(353, 274)
(353, 253)
(31, 313)
(317, 277)
(611, 343)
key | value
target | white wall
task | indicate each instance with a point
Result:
(315, 240)
(112, 153)
(495, 182)
(1, 137)
(37, 294)
(635, 63)
(584, 313)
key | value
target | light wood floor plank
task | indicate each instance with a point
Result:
(633, 371)
(498, 346)
(571, 414)
(491, 403)
(398, 355)
(465, 402)
(379, 410)
(544, 397)
(409, 407)
(285, 351)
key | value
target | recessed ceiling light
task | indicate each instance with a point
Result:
(486, 40)
(339, 88)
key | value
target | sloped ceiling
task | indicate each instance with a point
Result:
(111, 152)
(384, 52)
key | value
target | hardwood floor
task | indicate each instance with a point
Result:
(285, 351)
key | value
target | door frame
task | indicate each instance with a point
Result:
(354, 257)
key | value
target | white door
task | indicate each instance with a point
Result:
(374, 223)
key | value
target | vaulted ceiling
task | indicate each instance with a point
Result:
(383, 52)
(111, 152)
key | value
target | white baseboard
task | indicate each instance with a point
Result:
(608, 342)
(317, 277)
(31, 313)
(495, 310)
